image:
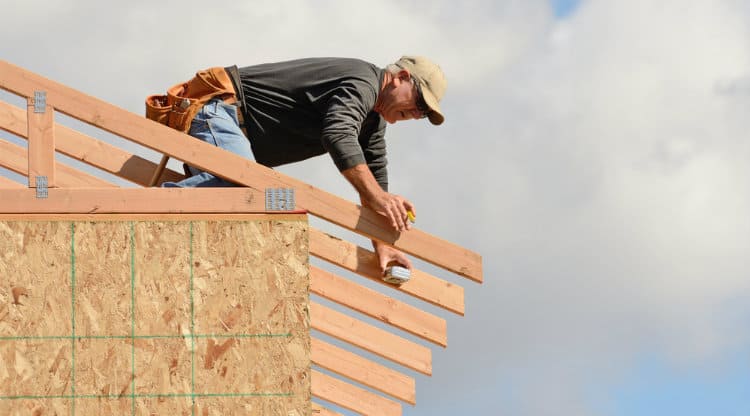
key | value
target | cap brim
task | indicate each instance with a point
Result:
(436, 116)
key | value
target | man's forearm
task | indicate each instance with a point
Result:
(364, 182)
(372, 196)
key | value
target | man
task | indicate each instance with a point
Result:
(298, 109)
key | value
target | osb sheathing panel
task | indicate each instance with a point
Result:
(241, 287)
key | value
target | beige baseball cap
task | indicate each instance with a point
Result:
(431, 80)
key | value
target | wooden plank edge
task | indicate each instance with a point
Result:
(363, 371)
(132, 200)
(318, 410)
(351, 397)
(371, 338)
(364, 262)
(15, 159)
(89, 150)
(379, 306)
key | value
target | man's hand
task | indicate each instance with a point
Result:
(393, 207)
(389, 255)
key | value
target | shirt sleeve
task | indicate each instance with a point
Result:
(372, 141)
(345, 113)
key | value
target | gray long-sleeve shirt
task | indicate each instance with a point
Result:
(303, 108)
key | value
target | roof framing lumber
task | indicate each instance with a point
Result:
(139, 200)
(363, 371)
(239, 170)
(351, 397)
(15, 158)
(379, 306)
(9, 183)
(89, 150)
(319, 410)
(41, 150)
(371, 338)
(364, 262)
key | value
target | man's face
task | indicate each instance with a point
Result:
(400, 100)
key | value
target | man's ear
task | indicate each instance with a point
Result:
(404, 75)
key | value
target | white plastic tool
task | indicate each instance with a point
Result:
(397, 275)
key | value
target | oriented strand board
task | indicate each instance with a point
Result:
(146, 317)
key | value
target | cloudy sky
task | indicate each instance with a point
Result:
(595, 153)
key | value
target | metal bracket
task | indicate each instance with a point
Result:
(279, 199)
(40, 101)
(41, 187)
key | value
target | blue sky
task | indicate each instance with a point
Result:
(564, 8)
(600, 145)
(656, 388)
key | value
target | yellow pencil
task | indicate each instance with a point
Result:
(412, 217)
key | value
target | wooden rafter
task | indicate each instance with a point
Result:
(371, 338)
(378, 306)
(364, 262)
(142, 200)
(353, 398)
(15, 158)
(89, 150)
(366, 372)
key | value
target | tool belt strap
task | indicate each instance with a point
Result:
(181, 103)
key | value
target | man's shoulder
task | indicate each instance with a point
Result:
(325, 66)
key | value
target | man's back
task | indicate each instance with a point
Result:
(303, 108)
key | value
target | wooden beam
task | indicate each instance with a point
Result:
(15, 158)
(89, 150)
(133, 200)
(190, 216)
(41, 150)
(239, 170)
(364, 262)
(371, 338)
(351, 397)
(8, 183)
(379, 306)
(318, 410)
(363, 371)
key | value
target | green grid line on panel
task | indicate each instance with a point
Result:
(73, 316)
(180, 336)
(192, 326)
(132, 313)
(144, 395)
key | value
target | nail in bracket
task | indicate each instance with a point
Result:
(280, 199)
(41, 187)
(40, 101)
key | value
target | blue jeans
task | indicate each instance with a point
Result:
(216, 123)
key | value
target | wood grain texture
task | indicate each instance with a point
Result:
(365, 263)
(351, 397)
(379, 306)
(363, 371)
(244, 281)
(89, 150)
(132, 200)
(41, 150)
(15, 158)
(371, 338)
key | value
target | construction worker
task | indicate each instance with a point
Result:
(290, 111)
